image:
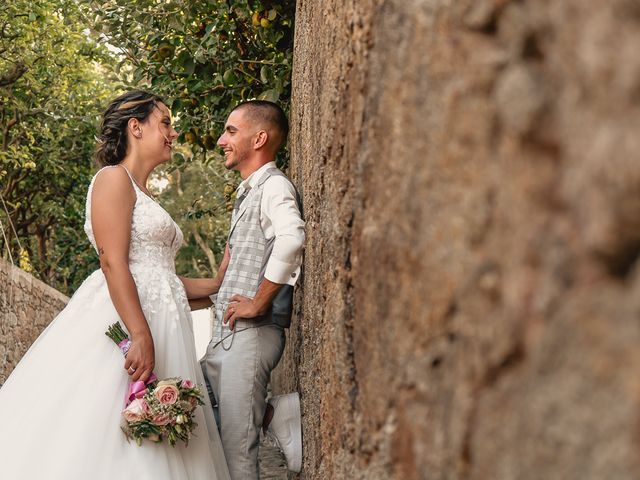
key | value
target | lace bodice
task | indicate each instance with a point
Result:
(155, 237)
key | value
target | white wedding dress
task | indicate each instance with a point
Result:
(60, 408)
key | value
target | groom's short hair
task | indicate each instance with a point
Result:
(268, 115)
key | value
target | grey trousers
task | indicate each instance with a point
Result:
(238, 380)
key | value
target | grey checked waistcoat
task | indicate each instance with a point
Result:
(249, 254)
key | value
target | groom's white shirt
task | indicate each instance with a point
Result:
(280, 218)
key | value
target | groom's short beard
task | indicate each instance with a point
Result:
(239, 157)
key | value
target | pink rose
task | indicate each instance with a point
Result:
(135, 411)
(187, 384)
(167, 394)
(161, 419)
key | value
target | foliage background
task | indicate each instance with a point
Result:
(68, 58)
(52, 89)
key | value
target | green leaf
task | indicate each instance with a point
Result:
(176, 106)
(264, 74)
(229, 78)
(271, 95)
(188, 66)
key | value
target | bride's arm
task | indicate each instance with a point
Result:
(112, 202)
(201, 288)
(200, 303)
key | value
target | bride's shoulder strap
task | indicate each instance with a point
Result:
(113, 168)
(128, 172)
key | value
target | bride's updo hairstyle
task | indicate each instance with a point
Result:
(112, 140)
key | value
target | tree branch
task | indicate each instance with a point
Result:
(11, 77)
(205, 248)
(5, 134)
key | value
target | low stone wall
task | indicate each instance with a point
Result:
(27, 306)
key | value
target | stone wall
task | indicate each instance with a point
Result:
(27, 306)
(470, 307)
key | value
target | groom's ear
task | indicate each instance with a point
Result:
(260, 140)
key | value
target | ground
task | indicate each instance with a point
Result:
(273, 466)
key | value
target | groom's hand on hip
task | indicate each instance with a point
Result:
(243, 307)
(240, 307)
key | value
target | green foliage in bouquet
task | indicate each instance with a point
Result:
(116, 333)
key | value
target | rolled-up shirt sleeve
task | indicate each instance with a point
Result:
(281, 212)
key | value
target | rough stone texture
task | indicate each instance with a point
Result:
(27, 306)
(273, 465)
(470, 307)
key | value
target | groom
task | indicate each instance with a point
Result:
(253, 305)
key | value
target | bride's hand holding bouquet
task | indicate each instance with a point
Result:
(155, 410)
(140, 357)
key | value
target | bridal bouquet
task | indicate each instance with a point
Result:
(157, 409)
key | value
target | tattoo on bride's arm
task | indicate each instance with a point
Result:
(100, 251)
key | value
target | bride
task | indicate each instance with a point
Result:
(60, 408)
